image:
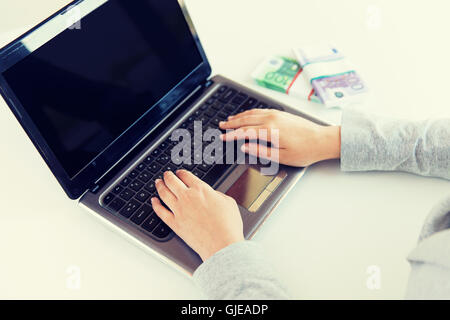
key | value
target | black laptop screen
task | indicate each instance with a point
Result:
(88, 85)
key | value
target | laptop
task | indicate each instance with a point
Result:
(101, 86)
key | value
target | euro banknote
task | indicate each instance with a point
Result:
(284, 75)
(340, 90)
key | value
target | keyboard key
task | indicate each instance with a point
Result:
(204, 167)
(197, 114)
(136, 185)
(163, 159)
(125, 182)
(204, 120)
(133, 174)
(190, 120)
(116, 205)
(169, 141)
(217, 106)
(215, 121)
(109, 197)
(222, 116)
(127, 194)
(229, 108)
(210, 101)
(142, 196)
(184, 125)
(141, 166)
(168, 152)
(188, 167)
(173, 144)
(162, 231)
(145, 176)
(156, 153)
(141, 214)
(130, 208)
(148, 160)
(239, 99)
(151, 222)
(117, 189)
(209, 113)
(222, 89)
(198, 173)
(150, 187)
(228, 95)
(250, 103)
(164, 145)
(170, 167)
(154, 167)
(159, 175)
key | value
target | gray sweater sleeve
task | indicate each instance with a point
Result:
(239, 272)
(376, 143)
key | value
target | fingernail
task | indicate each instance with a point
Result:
(221, 123)
(158, 181)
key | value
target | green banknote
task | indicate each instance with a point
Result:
(284, 75)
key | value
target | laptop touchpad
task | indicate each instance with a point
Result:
(252, 188)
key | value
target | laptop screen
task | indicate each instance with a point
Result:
(84, 88)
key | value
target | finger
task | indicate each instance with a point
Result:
(250, 113)
(260, 151)
(165, 194)
(244, 121)
(189, 179)
(165, 215)
(250, 133)
(175, 185)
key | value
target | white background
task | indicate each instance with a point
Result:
(329, 229)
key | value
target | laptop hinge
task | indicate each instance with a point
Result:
(95, 188)
(208, 83)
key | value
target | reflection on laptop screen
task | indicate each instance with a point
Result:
(87, 85)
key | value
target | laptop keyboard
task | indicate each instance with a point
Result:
(130, 198)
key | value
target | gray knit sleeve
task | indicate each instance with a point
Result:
(372, 142)
(239, 272)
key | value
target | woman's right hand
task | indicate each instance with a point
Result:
(298, 142)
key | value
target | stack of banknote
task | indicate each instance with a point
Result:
(320, 74)
(331, 74)
(284, 75)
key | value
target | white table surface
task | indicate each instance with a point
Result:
(330, 228)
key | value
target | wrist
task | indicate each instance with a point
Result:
(330, 143)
